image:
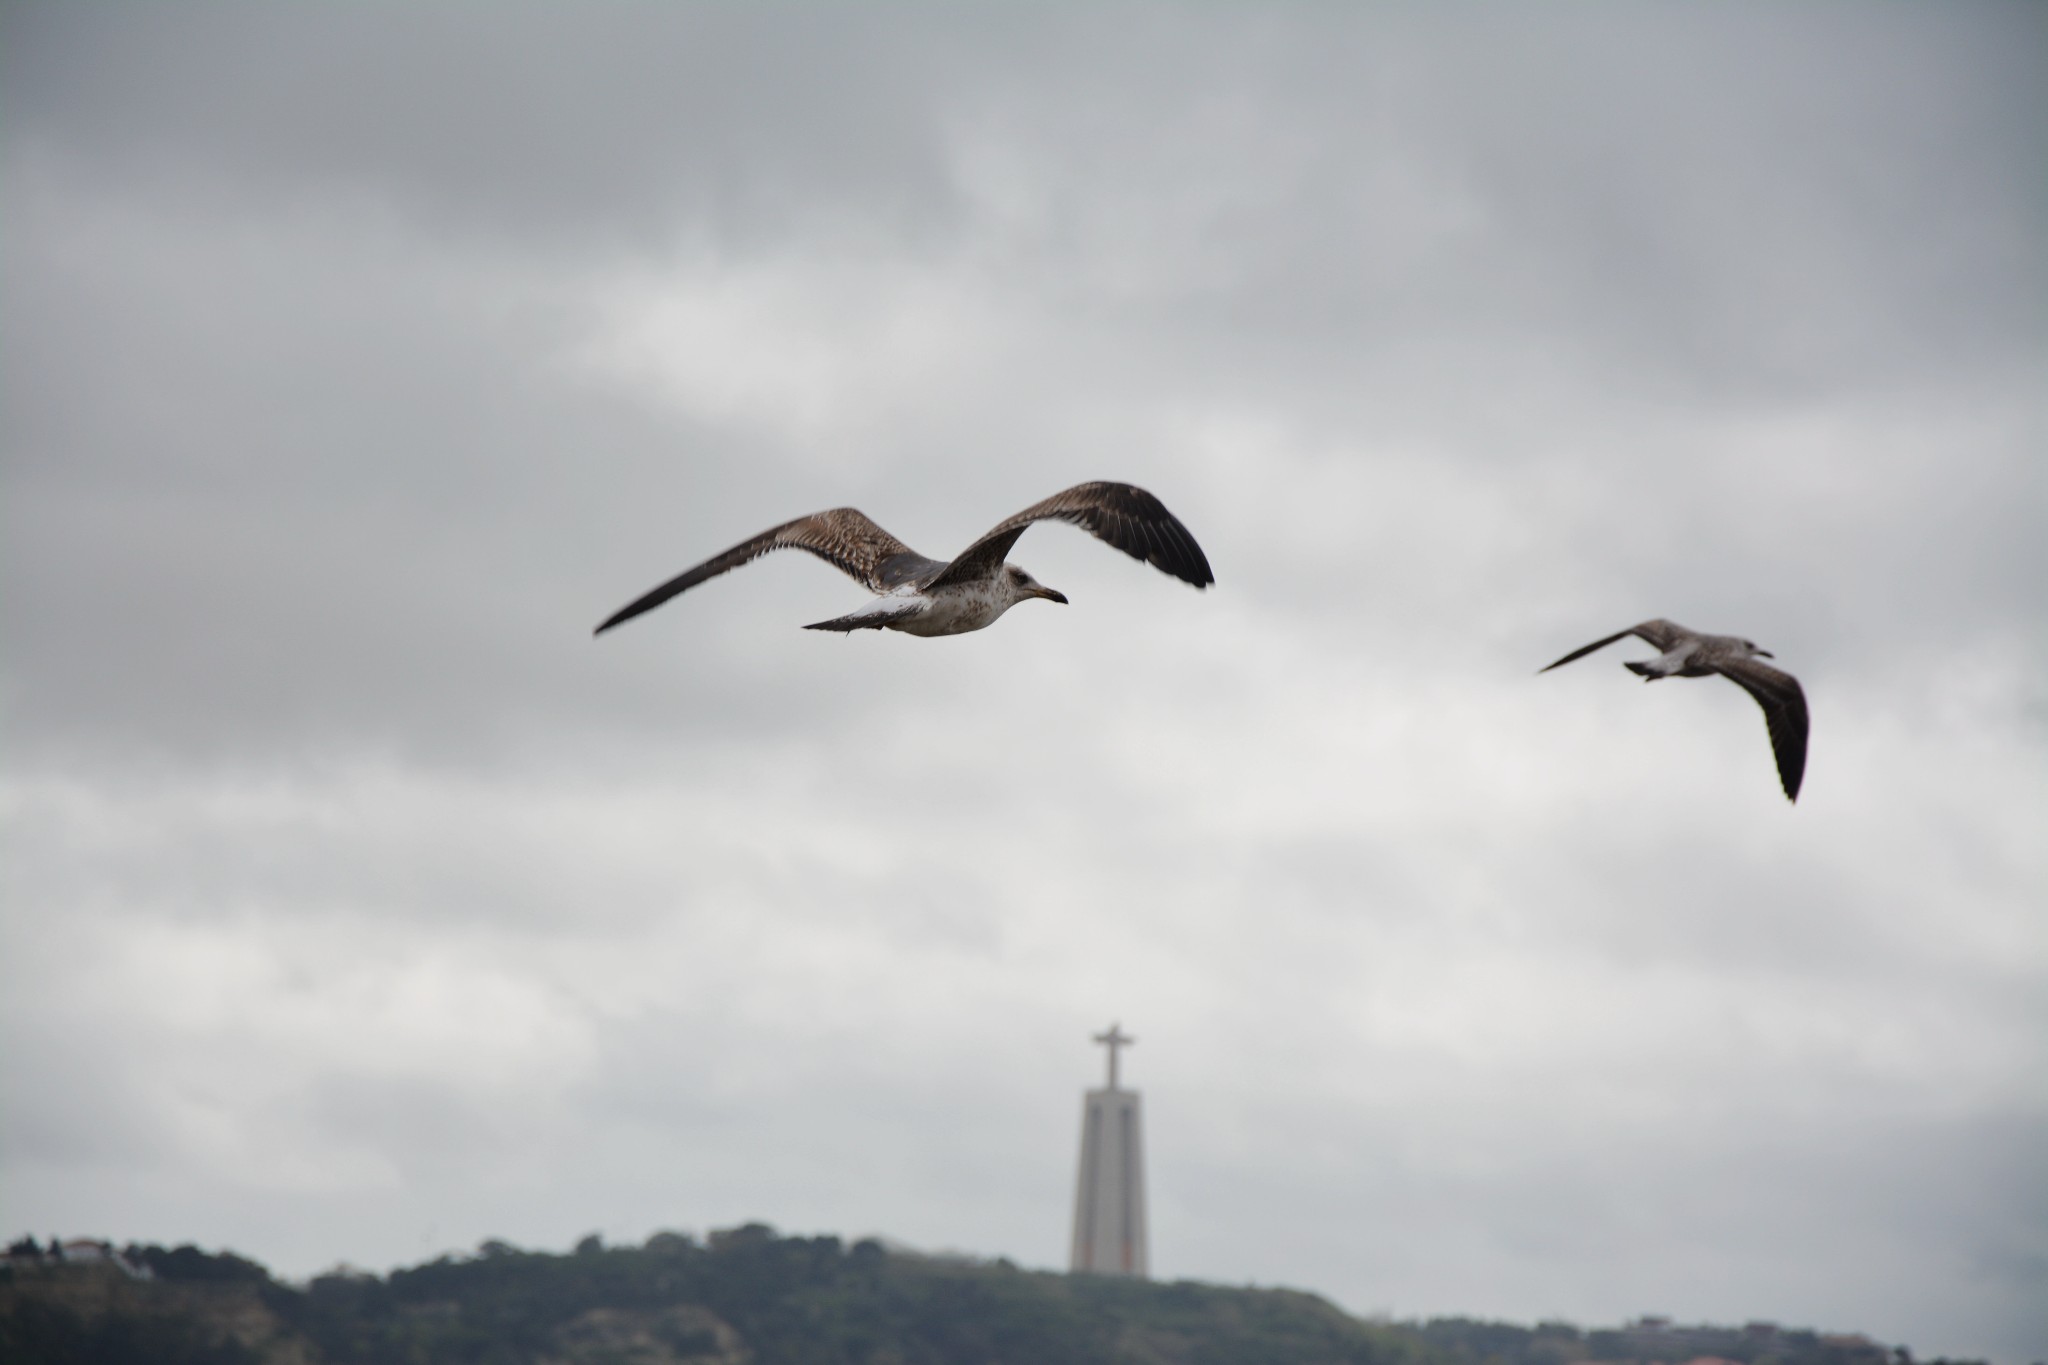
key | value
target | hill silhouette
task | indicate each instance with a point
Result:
(747, 1296)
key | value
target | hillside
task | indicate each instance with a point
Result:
(750, 1297)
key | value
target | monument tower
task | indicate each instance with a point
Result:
(1109, 1199)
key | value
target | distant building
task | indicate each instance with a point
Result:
(26, 1254)
(1109, 1196)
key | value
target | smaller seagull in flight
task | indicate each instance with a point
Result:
(1689, 654)
(938, 597)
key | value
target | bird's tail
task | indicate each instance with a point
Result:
(1665, 665)
(848, 623)
(881, 612)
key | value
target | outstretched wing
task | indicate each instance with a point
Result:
(1123, 515)
(1661, 633)
(1784, 704)
(842, 537)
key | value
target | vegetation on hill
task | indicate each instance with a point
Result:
(749, 1297)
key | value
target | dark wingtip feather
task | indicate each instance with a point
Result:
(1583, 650)
(639, 606)
(1192, 569)
(618, 617)
(1792, 769)
(1786, 717)
(1177, 553)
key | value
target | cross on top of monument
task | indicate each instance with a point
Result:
(1114, 1039)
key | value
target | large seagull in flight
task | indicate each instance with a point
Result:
(1689, 654)
(934, 597)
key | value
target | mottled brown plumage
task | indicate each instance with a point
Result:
(843, 537)
(1117, 513)
(934, 597)
(1689, 654)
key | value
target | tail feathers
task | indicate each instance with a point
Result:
(847, 623)
(874, 616)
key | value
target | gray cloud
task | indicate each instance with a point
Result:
(358, 364)
(617, 126)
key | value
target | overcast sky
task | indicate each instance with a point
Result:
(355, 361)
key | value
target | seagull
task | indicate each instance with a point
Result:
(922, 596)
(1689, 654)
